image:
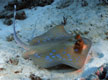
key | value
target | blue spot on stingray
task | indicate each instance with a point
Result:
(51, 53)
(38, 41)
(53, 56)
(50, 60)
(47, 57)
(48, 39)
(64, 47)
(78, 56)
(77, 59)
(36, 55)
(68, 55)
(64, 59)
(44, 40)
(54, 50)
(64, 52)
(70, 59)
(58, 55)
(62, 36)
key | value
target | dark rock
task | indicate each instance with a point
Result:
(10, 38)
(86, 32)
(21, 15)
(9, 15)
(84, 3)
(100, 74)
(64, 22)
(106, 38)
(92, 77)
(8, 22)
(103, 1)
(22, 4)
(5, 14)
(13, 61)
(34, 77)
(63, 4)
(106, 33)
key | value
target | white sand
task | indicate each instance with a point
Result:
(39, 20)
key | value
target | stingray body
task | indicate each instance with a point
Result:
(55, 47)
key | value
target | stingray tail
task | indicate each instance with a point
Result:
(18, 41)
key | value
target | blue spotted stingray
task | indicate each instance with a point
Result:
(54, 47)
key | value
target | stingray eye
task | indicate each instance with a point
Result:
(78, 46)
(78, 37)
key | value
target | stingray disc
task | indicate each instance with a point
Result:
(60, 52)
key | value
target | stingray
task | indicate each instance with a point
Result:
(55, 47)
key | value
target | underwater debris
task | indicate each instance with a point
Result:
(34, 77)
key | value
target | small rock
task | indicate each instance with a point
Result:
(8, 22)
(63, 4)
(34, 77)
(21, 15)
(84, 3)
(1, 69)
(2, 14)
(86, 32)
(106, 33)
(100, 55)
(13, 61)
(10, 38)
(6, 14)
(16, 72)
(22, 4)
(106, 38)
